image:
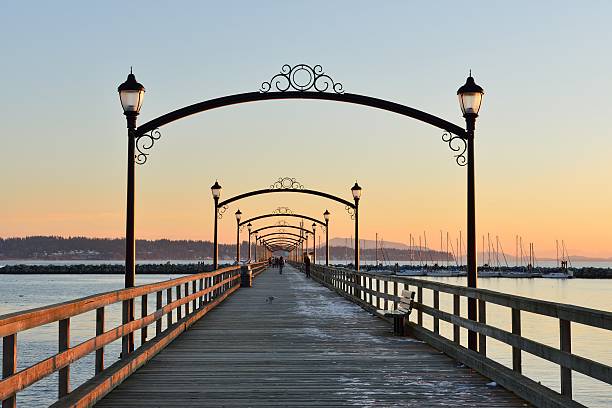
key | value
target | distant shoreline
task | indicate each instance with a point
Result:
(186, 267)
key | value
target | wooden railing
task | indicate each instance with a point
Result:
(374, 292)
(191, 296)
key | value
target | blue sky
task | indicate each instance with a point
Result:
(543, 144)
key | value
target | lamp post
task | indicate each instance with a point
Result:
(470, 99)
(256, 246)
(326, 217)
(131, 95)
(356, 190)
(216, 193)
(238, 217)
(314, 243)
(249, 228)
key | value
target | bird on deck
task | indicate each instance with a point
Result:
(269, 299)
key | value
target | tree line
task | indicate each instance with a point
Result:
(77, 248)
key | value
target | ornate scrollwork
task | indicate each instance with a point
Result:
(350, 211)
(282, 223)
(221, 211)
(144, 142)
(282, 210)
(286, 183)
(302, 78)
(457, 144)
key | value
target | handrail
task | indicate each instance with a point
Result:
(201, 291)
(372, 292)
(19, 321)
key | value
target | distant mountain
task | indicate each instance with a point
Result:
(369, 244)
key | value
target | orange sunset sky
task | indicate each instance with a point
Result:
(543, 140)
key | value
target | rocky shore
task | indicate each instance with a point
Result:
(149, 269)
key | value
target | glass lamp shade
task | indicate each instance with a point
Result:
(326, 215)
(314, 227)
(131, 95)
(249, 227)
(356, 190)
(470, 97)
(238, 215)
(216, 190)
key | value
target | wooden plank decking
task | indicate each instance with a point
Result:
(308, 347)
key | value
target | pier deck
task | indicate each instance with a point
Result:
(308, 347)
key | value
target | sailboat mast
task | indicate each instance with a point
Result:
(377, 249)
(447, 257)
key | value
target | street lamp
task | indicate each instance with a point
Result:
(356, 191)
(131, 95)
(470, 100)
(314, 243)
(326, 217)
(249, 228)
(216, 193)
(256, 245)
(238, 217)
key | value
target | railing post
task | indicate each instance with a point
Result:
(99, 364)
(436, 305)
(158, 322)
(377, 293)
(565, 343)
(395, 294)
(186, 294)
(127, 340)
(456, 312)
(482, 318)
(168, 301)
(9, 364)
(143, 312)
(516, 329)
(201, 298)
(386, 289)
(179, 313)
(420, 301)
(64, 344)
(193, 290)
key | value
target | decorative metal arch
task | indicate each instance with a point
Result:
(288, 248)
(281, 226)
(280, 233)
(285, 240)
(288, 85)
(293, 187)
(260, 217)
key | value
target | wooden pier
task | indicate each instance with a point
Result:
(306, 347)
(248, 336)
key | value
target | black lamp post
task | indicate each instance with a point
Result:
(314, 243)
(356, 190)
(216, 193)
(238, 217)
(326, 217)
(131, 95)
(249, 228)
(256, 246)
(470, 99)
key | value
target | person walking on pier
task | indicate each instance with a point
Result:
(281, 263)
(307, 265)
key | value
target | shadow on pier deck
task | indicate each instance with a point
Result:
(308, 347)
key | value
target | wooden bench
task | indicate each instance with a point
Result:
(401, 313)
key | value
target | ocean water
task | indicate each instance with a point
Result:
(21, 292)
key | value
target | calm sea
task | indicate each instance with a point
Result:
(20, 292)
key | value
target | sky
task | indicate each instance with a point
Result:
(543, 142)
